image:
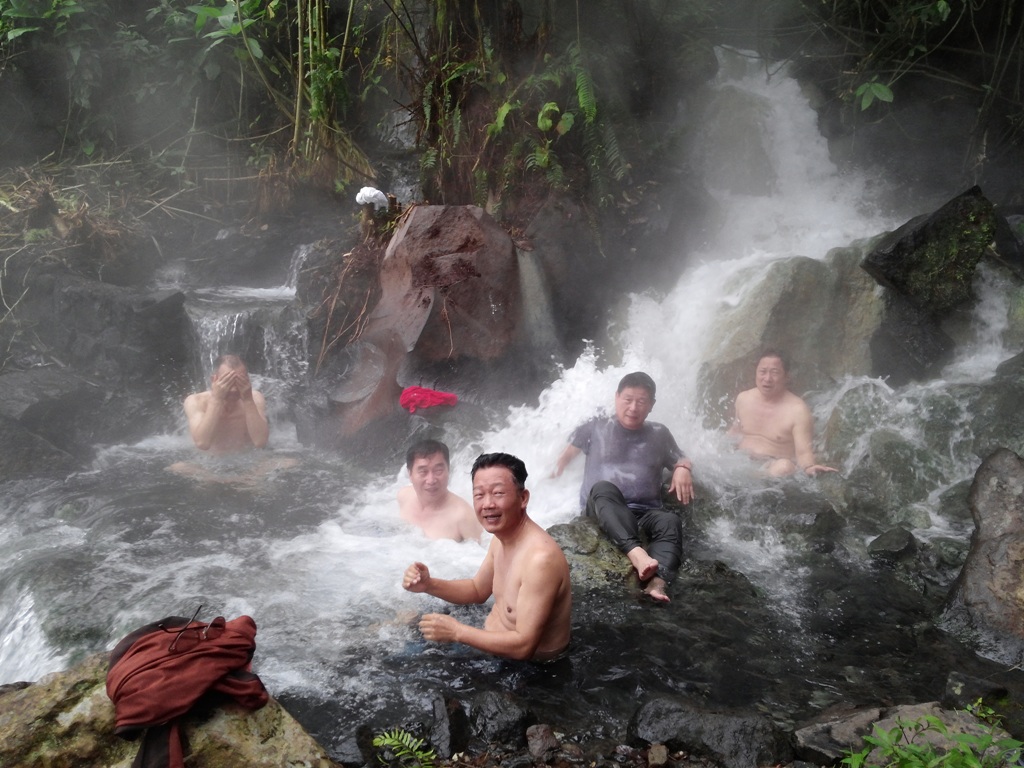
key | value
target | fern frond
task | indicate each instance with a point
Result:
(585, 91)
(405, 749)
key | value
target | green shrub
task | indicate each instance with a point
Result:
(903, 747)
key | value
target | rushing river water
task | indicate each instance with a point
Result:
(315, 552)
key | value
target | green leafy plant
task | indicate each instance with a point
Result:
(866, 93)
(400, 749)
(903, 746)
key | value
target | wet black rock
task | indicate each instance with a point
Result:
(734, 740)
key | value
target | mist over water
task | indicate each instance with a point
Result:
(315, 554)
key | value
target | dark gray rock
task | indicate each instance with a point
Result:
(734, 740)
(24, 454)
(894, 545)
(909, 344)
(74, 413)
(449, 730)
(499, 717)
(824, 741)
(988, 597)
(891, 476)
(996, 416)
(930, 260)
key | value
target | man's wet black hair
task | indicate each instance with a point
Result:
(234, 362)
(512, 463)
(774, 352)
(637, 379)
(425, 448)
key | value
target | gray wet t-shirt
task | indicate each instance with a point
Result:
(632, 459)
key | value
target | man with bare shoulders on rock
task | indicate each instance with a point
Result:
(524, 569)
(622, 480)
(427, 502)
(230, 416)
(775, 426)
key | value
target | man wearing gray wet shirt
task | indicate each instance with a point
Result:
(622, 479)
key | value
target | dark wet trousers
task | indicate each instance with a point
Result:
(664, 529)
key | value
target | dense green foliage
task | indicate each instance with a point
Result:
(879, 52)
(508, 98)
(904, 746)
(504, 97)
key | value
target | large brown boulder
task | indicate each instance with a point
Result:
(66, 720)
(449, 284)
(449, 288)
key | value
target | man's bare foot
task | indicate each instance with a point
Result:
(656, 590)
(646, 566)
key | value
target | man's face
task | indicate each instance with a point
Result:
(771, 377)
(429, 476)
(498, 502)
(632, 406)
(225, 370)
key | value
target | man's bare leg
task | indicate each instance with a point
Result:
(656, 590)
(646, 566)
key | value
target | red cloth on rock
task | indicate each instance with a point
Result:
(152, 683)
(420, 397)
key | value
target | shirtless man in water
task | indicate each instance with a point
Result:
(230, 416)
(428, 503)
(524, 569)
(775, 425)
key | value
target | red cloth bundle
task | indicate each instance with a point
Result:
(420, 397)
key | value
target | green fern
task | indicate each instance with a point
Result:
(584, 84)
(400, 749)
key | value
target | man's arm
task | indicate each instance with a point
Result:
(255, 409)
(570, 453)
(681, 482)
(736, 428)
(803, 439)
(203, 414)
(476, 590)
(542, 579)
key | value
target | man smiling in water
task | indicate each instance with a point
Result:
(524, 569)
(230, 416)
(427, 502)
(775, 426)
(622, 479)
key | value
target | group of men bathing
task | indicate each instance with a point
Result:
(524, 568)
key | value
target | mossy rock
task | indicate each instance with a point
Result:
(930, 260)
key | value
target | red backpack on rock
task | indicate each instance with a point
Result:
(159, 671)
